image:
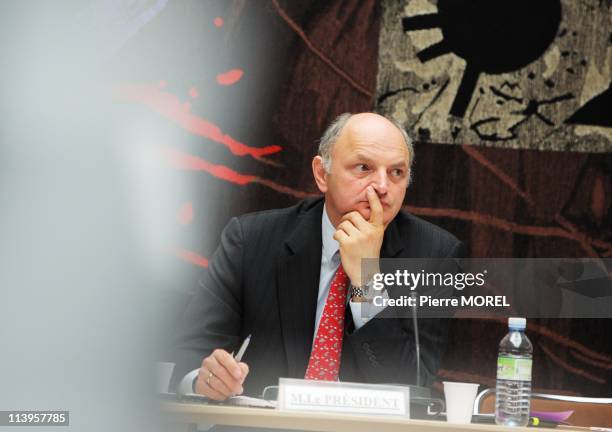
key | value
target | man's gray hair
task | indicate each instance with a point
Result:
(333, 131)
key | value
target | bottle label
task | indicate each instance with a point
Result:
(515, 369)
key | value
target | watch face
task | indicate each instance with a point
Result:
(356, 291)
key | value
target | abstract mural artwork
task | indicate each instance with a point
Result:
(513, 74)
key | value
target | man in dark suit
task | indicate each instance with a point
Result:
(292, 277)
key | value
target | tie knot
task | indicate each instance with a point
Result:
(336, 257)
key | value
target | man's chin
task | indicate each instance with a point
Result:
(364, 212)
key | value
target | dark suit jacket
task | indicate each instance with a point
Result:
(263, 280)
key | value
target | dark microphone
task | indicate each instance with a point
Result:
(415, 326)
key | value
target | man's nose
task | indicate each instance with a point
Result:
(381, 183)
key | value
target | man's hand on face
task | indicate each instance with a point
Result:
(221, 376)
(360, 238)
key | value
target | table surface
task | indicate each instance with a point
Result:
(191, 413)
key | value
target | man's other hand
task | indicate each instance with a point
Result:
(221, 376)
(359, 238)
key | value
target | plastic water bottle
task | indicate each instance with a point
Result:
(513, 392)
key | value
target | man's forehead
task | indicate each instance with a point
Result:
(374, 145)
(376, 129)
(374, 153)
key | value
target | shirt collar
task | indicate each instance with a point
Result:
(330, 246)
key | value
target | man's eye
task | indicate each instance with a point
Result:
(397, 172)
(362, 167)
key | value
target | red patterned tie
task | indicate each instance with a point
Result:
(324, 363)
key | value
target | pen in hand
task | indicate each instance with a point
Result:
(243, 348)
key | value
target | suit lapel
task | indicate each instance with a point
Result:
(392, 241)
(298, 286)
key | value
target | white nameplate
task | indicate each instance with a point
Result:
(353, 398)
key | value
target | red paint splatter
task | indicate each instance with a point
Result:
(191, 257)
(171, 107)
(286, 189)
(218, 22)
(230, 77)
(193, 92)
(185, 213)
(186, 161)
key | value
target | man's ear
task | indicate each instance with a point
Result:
(319, 173)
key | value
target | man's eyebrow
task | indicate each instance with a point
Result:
(362, 156)
(402, 164)
(368, 159)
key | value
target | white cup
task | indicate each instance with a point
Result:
(459, 401)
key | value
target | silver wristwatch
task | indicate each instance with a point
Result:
(360, 293)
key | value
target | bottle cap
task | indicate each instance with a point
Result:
(517, 323)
